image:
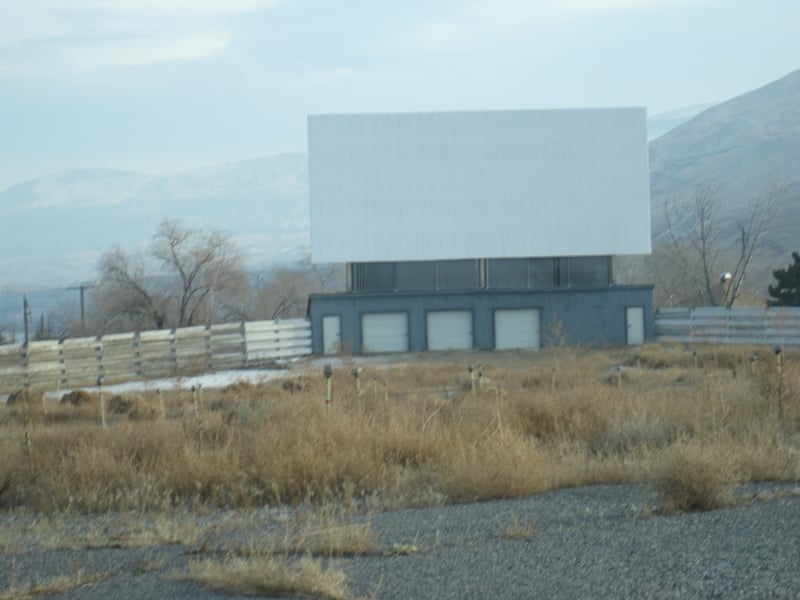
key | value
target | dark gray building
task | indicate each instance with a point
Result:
(479, 230)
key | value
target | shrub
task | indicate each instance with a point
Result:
(24, 397)
(691, 476)
(267, 575)
(77, 398)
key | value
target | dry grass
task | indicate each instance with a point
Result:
(49, 586)
(692, 476)
(333, 540)
(267, 575)
(418, 434)
(518, 529)
(115, 530)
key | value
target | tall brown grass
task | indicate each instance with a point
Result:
(417, 434)
(268, 575)
(50, 586)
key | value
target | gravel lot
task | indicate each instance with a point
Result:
(592, 542)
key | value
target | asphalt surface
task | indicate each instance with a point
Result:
(590, 542)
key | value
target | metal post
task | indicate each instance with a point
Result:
(328, 372)
(102, 401)
(83, 287)
(194, 401)
(27, 315)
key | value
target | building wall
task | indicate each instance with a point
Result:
(582, 316)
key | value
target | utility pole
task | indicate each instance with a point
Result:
(83, 287)
(26, 309)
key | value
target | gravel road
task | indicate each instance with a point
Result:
(590, 542)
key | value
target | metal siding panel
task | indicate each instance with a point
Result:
(450, 330)
(427, 186)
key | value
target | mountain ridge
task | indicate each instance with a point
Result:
(63, 222)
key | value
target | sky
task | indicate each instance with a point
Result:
(163, 85)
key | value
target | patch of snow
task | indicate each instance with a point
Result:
(218, 379)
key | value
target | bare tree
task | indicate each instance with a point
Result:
(206, 266)
(185, 278)
(327, 275)
(283, 292)
(124, 297)
(751, 234)
(702, 262)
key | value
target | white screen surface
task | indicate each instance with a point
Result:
(433, 186)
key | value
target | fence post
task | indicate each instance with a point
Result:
(102, 401)
(137, 354)
(26, 361)
(728, 325)
(209, 351)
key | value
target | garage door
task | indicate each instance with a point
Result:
(384, 332)
(449, 330)
(516, 328)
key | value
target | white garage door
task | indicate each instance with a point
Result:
(384, 332)
(516, 328)
(450, 330)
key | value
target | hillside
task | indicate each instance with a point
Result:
(740, 146)
(661, 123)
(56, 227)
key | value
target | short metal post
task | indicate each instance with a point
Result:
(161, 402)
(328, 372)
(195, 390)
(471, 372)
(102, 401)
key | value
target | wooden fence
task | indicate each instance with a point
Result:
(779, 326)
(79, 362)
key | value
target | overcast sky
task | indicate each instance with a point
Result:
(159, 85)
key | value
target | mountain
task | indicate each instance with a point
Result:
(741, 147)
(56, 227)
(740, 144)
(661, 123)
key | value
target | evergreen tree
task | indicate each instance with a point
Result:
(787, 291)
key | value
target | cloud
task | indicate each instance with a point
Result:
(91, 33)
(488, 20)
(182, 7)
(604, 6)
(329, 75)
(146, 50)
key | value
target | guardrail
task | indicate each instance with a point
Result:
(777, 326)
(118, 357)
